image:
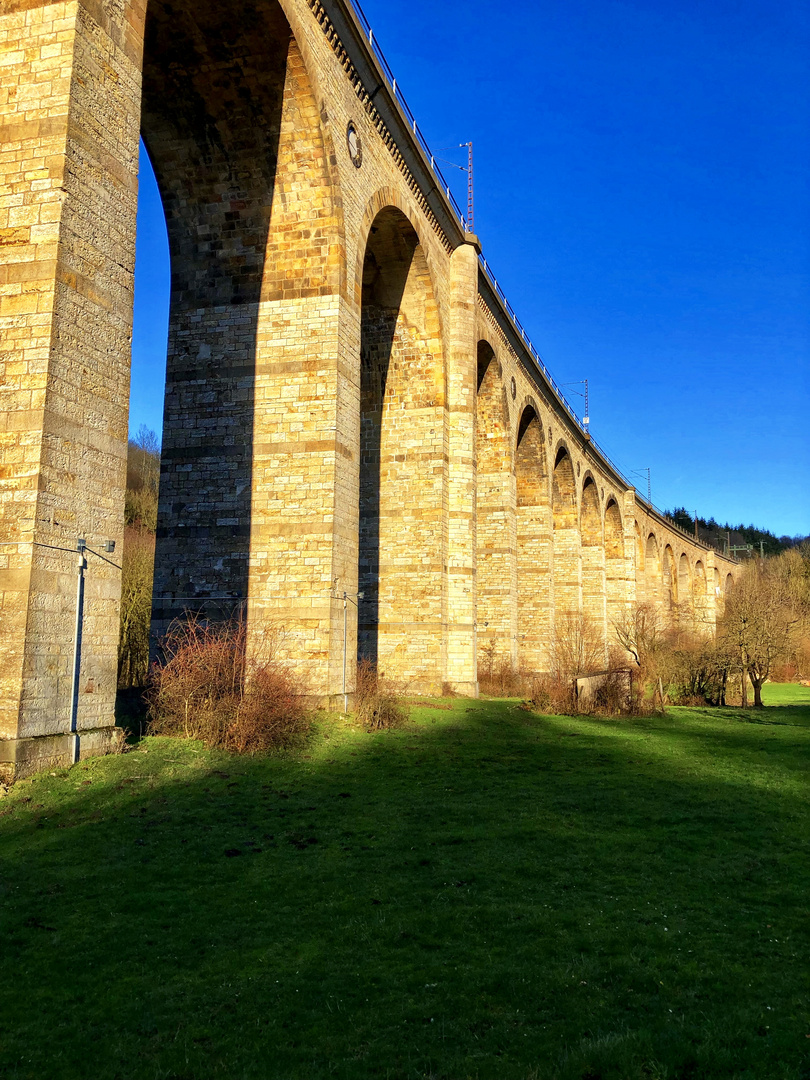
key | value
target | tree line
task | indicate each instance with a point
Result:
(710, 531)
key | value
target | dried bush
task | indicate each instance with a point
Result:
(695, 671)
(207, 688)
(497, 676)
(614, 694)
(379, 705)
(553, 695)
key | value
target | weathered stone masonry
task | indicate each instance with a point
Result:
(348, 405)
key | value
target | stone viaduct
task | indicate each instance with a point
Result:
(350, 403)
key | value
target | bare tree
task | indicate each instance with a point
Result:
(640, 633)
(760, 619)
(577, 647)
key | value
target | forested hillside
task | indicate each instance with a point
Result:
(710, 531)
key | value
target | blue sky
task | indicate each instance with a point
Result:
(641, 183)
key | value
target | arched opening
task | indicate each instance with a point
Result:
(593, 562)
(719, 598)
(670, 583)
(567, 561)
(652, 572)
(615, 567)
(685, 598)
(638, 551)
(700, 599)
(496, 578)
(402, 459)
(233, 131)
(533, 544)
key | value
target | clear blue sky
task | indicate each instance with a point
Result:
(641, 182)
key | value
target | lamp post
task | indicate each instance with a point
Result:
(347, 598)
(81, 566)
(81, 546)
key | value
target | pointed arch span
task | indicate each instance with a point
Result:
(615, 567)
(533, 543)
(684, 595)
(567, 552)
(485, 357)
(653, 574)
(495, 513)
(701, 599)
(670, 585)
(593, 561)
(638, 554)
(402, 457)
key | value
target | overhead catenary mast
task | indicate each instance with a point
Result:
(469, 221)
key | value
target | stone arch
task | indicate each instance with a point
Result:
(719, 598)
(638, 556)
(533, 536)
(402, 458)
(387, 199)
(487, 359)
(615, 566)
(496, 578)
(670, 583)
(653, 574)
(685, 598)
(700, 597)
(592, 548)
(565, 519)
(250, 192)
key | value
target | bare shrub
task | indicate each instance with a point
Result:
(207, 688)
(614, 694)
(497, 676)
(695, 670)
(553, 695)
(378, 702)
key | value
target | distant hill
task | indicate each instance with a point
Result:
(760, 541)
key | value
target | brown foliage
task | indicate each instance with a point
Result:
(136, 607)
(553, 695)
(207, 688)
(577, 647)
(379, 705)
(496, 674)
(640, 633)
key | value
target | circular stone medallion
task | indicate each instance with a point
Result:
(354, 145)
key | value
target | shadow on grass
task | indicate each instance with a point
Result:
(484, 894)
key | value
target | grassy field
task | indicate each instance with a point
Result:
(485, 894)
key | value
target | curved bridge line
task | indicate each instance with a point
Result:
(351, 403)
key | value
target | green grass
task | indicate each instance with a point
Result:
(786, 694)
(485, 894)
